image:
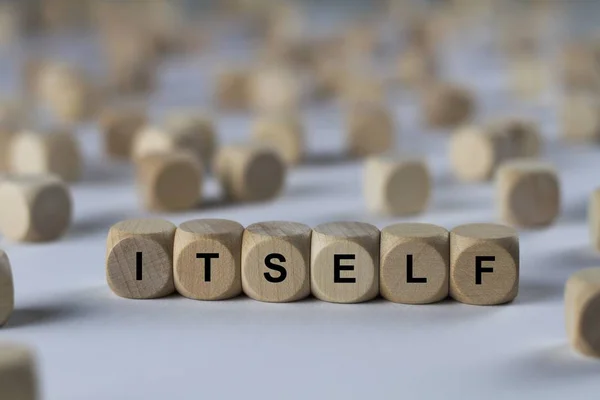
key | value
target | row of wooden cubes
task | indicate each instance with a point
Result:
(340, 262)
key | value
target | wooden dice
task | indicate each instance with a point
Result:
(250, 172)
(345, 262)
(232, 90)
(18, 375)
(447, 105)
(193, 131)
(484, 264)
(285, 133)
(582, 305)
(55, 152)
(119, 127)
(580, 117)
(370, 130)
(396, 185)
(169, 181)
(36, 208)
(275, 90)
(7, 290)
(139, 258)
(594, 218)
(207, 261)
(414, 266)
(416, 67)
(528, 193)
(276, 261)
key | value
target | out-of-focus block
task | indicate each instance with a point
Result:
(371, 130)
(170, 181)
(232, 90)
(582, 305)
(139, 258)
(484, 264)
(120, 126)
(195, 132)
(447, 105)
(284, 133)
(594, 218)
(528, 193)
(276, 90)
(529, 76)
(581, 117)
(35, 208)
(7, 289)
(55, 152)
(207, 259)
(345, 262)
(276, 261)
(250, 172)
(18, 375)
(416, 67)
(415, 264)
(522, 136)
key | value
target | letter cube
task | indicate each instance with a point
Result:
(371, 130)
(207, 259)
(447, 105)
(7, 290)
(284, 133)
(56, 152)
(345, 262)
(252, 172)
(415, 263)
(35, 208)
(528, 193)
(18, 375)
(169, 181)
(396, 185)
(582, 305)
(276, 260)
(484, 264)
(119, 127)
(139, 258)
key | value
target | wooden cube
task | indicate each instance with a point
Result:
(579, 67)
(528, 193)
(370, 129)
(250, 172)
(194, 131)
(276, 261)
(207, 259)
(284, 133)
(12, 114)
(232, 90)
(275, 90)
(484, 264)
(447, 105)
(139, 258)
(359, 89)
(6, 137)
(522, 138)
(594, 218)
(345, 262)
(170, 181)
(36, 208)
(582, 305)
(415, 265)
(581, 117)
(529, 76)
(7, 289)
(416, 67)
(396, 185)
(18, 375)
(119, 127)
(54, 152)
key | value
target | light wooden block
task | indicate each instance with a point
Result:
(523, 136)
(358, 89)
(276, 90)
(18, 372)
(528, 193)
(579, 67)
(529, 76)
(345, 262)
(54, 152)
(415, 265)
(232, 90)
(484, 264)
(582, 305)
(396, 185)
(447, 105)
(594, 218)
(580, 117)
(285, 133)
(12, 114)
(36, 208)
(7, 289)
(250, 172)
(170, 181)
(207, 259)
(139, 258)
(371, 130)
(416, 67)
(119, 127)
(194, 131)
(276, 261)
(6, 137)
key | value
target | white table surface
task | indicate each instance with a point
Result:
(94, 345)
